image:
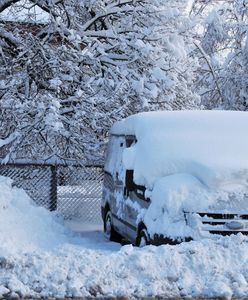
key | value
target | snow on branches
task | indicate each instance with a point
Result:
(66, 78)
(223, 52)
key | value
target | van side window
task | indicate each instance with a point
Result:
(113, 160)
(129, 183)
(130, 139)
(131, 186)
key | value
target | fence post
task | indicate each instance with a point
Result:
(54, 189)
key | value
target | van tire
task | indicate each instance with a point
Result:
(109, 230)
(143, 238)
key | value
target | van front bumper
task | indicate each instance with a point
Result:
(158, 240)
(220, 223)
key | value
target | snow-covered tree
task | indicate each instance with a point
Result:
(65, 77)
(223, 51)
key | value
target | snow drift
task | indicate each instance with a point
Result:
(23, 225)
(40, 258)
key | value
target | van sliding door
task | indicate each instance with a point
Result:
(134, 203)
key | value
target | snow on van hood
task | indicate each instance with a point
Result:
(176, 194)
(210, 145)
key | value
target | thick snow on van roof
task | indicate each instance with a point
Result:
(209, 145)
(189, 161)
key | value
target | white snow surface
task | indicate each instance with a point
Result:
(39, 256)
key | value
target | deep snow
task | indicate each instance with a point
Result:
(40, 256)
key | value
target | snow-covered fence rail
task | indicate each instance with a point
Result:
(73, 191)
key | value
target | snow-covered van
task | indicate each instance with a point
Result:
(173, 176)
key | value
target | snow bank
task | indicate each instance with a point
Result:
(24, 226)
(40, 258)
(198, 269)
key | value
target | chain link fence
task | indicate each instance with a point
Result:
(75, 191)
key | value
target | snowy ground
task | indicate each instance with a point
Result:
(42, 257)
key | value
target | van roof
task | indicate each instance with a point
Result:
(202, 118)
(172, 142)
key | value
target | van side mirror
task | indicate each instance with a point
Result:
(129, 183)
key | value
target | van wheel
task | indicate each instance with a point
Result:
(143, 239)
(109, 231)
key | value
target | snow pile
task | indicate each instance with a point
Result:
(37, 259)
(24, 226)
(92, 267)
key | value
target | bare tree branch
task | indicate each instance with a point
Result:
(6, 3)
